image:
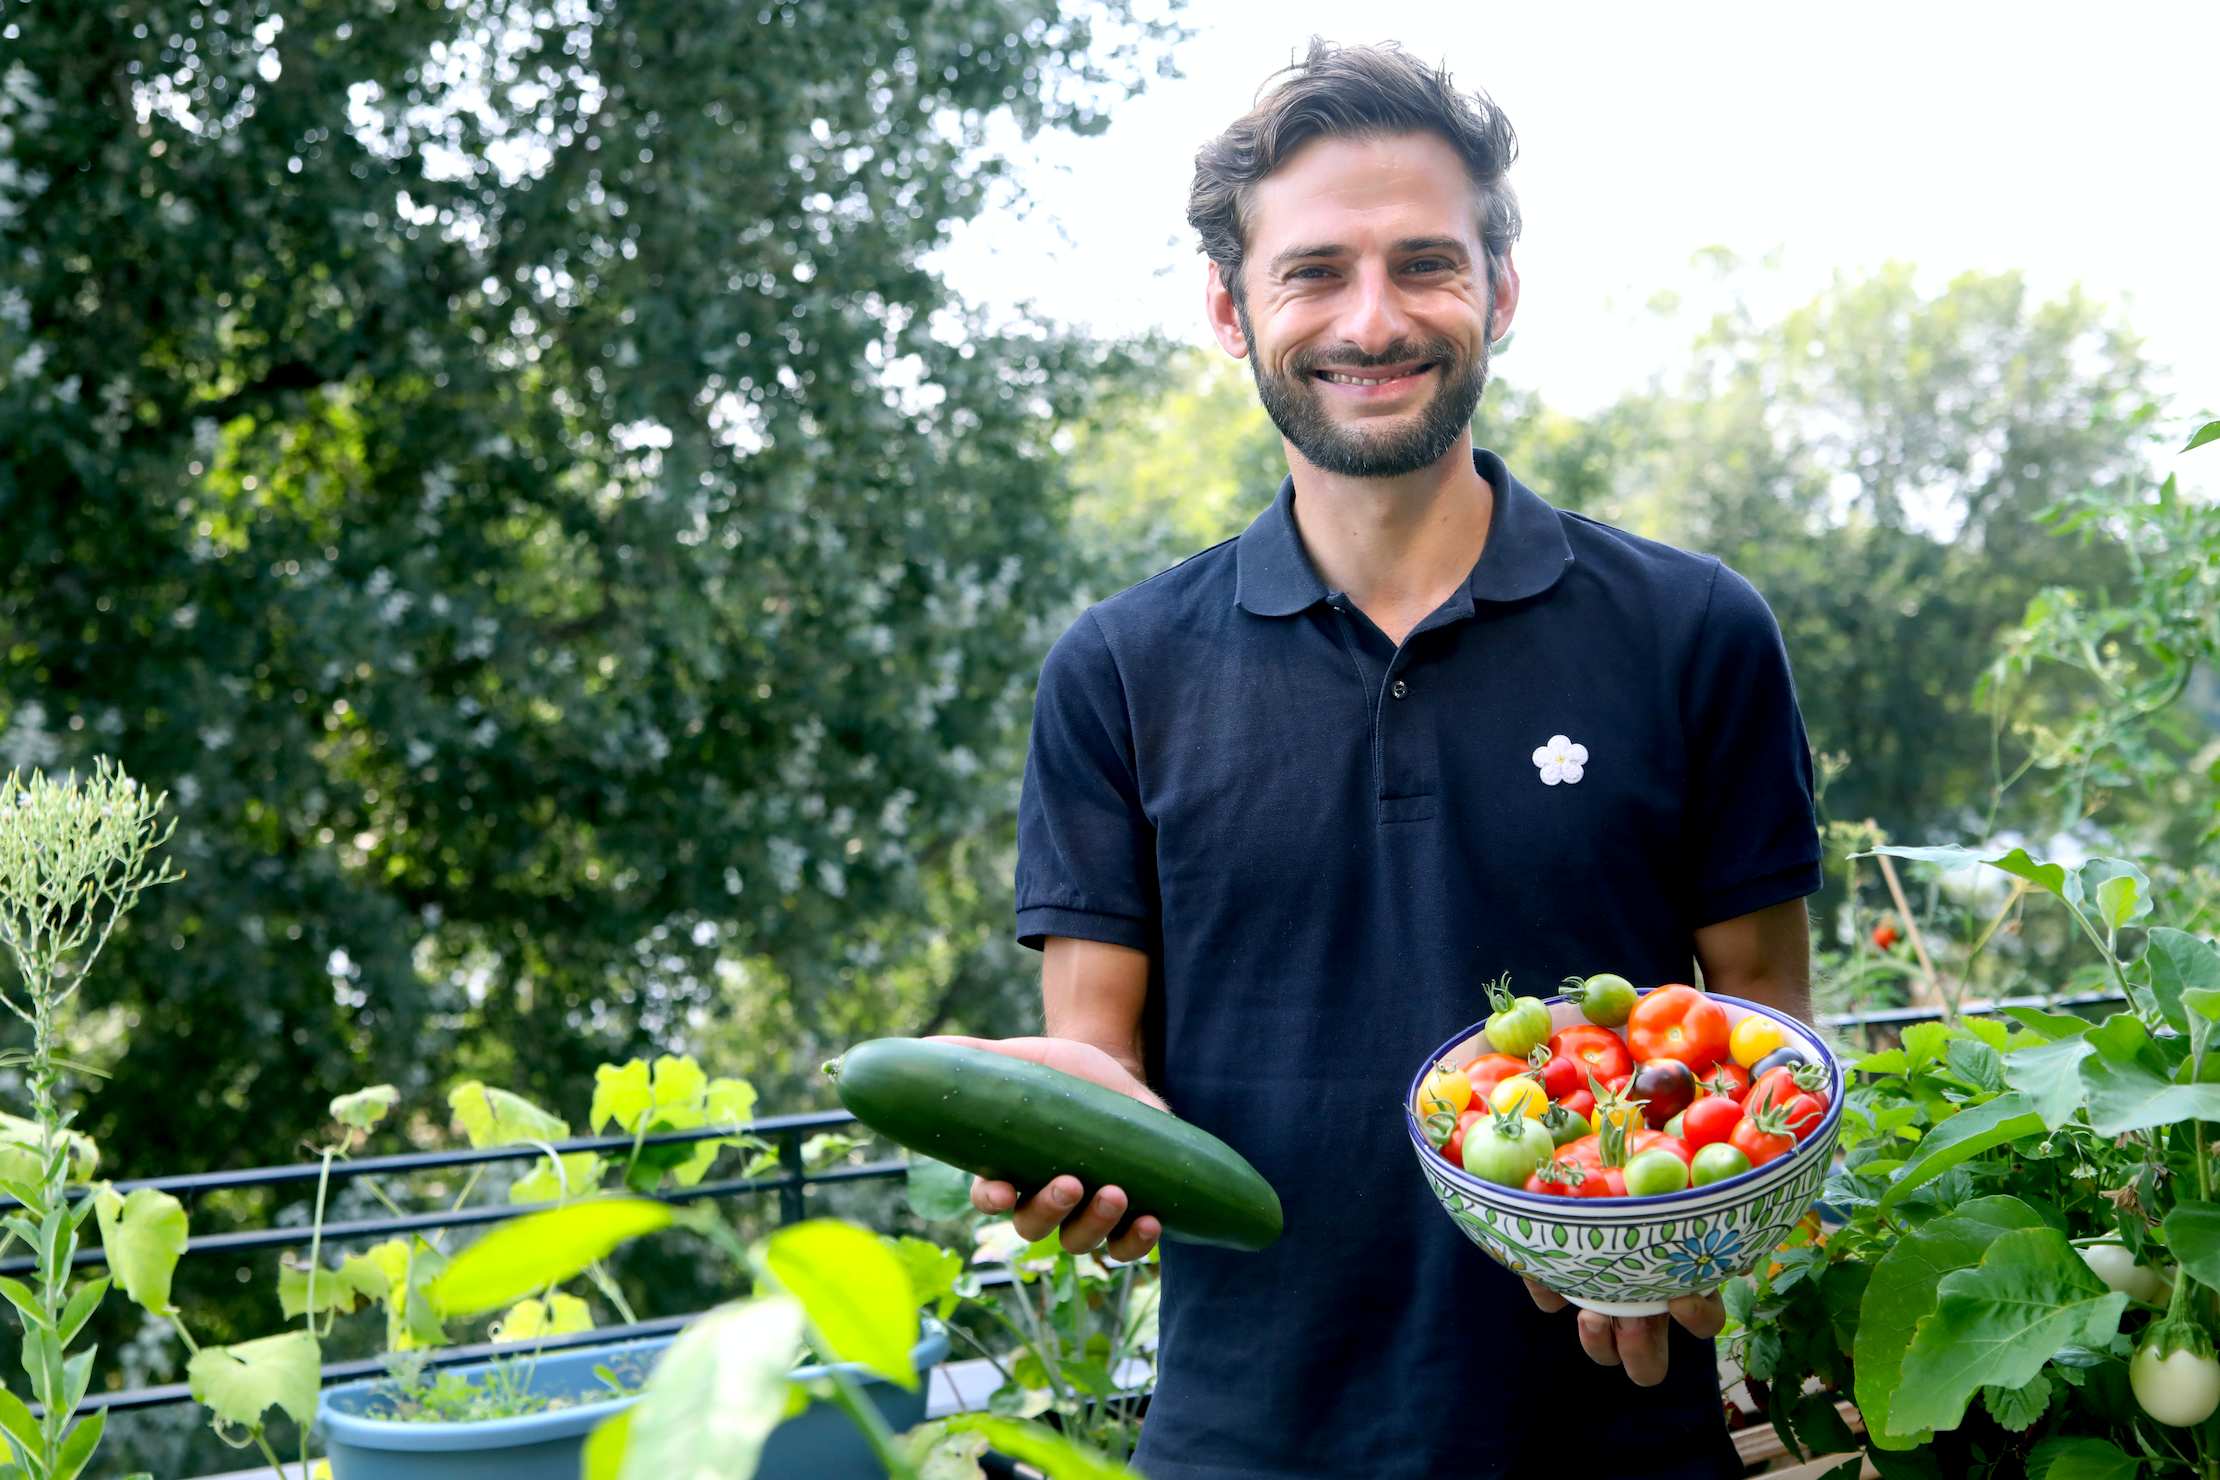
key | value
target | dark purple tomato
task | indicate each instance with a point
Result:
(1779, 1056)
(1665, 1086)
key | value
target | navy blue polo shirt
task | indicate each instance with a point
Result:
(1328, 844)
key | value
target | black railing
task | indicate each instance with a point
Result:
(1926, 1012)
(792, 1184)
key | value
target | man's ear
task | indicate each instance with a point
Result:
(1503, 301)
(1224, 315)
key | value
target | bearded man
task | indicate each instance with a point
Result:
(1291, 804)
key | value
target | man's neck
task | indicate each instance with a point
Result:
(1397, 546)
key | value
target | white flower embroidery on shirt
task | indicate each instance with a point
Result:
(1561, 760)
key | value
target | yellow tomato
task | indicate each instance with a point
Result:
(1628, 1114)
(1520, 1095)
(1753, 1038)
(1445, 1089)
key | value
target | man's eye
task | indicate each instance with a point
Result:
(1428, 264)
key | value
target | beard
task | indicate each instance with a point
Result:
(1368, 450)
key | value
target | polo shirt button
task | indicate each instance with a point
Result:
(1401, 688)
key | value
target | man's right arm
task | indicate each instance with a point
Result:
(1091, 998)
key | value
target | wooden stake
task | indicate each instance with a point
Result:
(1911, 927)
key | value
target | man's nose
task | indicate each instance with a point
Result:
(1375, 318)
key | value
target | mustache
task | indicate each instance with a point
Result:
(1349, 357)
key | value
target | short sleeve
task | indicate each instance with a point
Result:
(1752, 833)
(1086, 852)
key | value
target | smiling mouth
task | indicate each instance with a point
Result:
(1372, 377)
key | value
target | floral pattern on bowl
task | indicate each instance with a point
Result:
(1631, 1255)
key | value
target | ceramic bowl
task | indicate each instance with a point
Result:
(1628, 1256)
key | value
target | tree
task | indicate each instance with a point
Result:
(511, 475)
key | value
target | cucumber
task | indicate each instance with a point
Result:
(1021, 1123)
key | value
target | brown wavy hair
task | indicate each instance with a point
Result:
(1351, 92)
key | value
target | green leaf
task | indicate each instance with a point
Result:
(77, 1450)
(15, 1417)
(2017, 1409)
(1902, 1291)
(2122, 1036)
(241, 1383)
(1887, 1061)
(2209, 432)
(2193, 1238)
(2058, 879)
(365, 1107)
(2130, 1097)
(2179, 962)
(557, 1315)
(1997, 1323)
(342, 1289)
(580, 1176)
(80, 1308)
(26, 1303)
(2082, 1459)
(856, 1291)
(1962, 1137)
(494, 1117)
(1042, 1447)
(144, 1236)
(933, 1273)
(1819, 1426)
(2120, 890)
(1923, 1044)
(2052, 1025)
(2049, 1074)
(547, 1248)
(937, 1190)
(604, 1453)
(1976, 1065)
(716, 1395)
(941, 1455)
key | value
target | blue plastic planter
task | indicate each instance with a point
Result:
(818, 1444)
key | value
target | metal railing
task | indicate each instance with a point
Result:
(1927, 1012)
(792, 1184)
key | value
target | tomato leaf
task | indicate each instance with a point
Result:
(2082, 1459)
(2049, 1074)
(544, 1249)
(716, 1395)
(856, 1291)
(1043, 1448)
(1997, 1323)
(1962, 1137)
(2128, 1096)
(242, 1382)
(1902, 1290)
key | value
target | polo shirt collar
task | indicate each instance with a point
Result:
(1525, 555)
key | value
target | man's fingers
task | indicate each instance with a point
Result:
(1040, 1215)
(992, 1197)
(1641, 1343)
(1545, 1297)
(1092, 1224)
(1135, 1243)
(1705, 1316)
(1596, 1338)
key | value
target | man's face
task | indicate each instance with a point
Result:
(1367, 306)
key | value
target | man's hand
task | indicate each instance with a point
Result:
(1058, 1204)
(1637, 1343)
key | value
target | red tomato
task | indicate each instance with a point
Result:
(1588, 1151)
(1617, 1083)
(1581, 1183)
(1490, 1070)
(1614, 1182)
(1776, 1087)
(1597, 1050)
(1709, 1121)
(1727, 1079)
(1582, 1104)
(1678, 1023)
(1454, 1148)
(1886, 935)
(1762, 1138)
(1638, 1142)
(1804, 1114)
(1561, 1076)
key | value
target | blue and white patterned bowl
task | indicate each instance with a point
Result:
(1628, 1256)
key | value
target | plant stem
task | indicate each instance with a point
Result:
(316, 1252)
(1911, 928)
(871, 1424)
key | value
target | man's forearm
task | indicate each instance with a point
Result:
(1093, 993)
(1764, 956)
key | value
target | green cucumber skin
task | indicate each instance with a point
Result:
(1021, 1123)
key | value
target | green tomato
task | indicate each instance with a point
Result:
(1672, 1127)
(1605, 1000)
(1717, 1162)
(1519, 1027)
(1563, 1126)
(1655, 1173)
(1505, 1150)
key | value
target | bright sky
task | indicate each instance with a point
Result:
(2077, 143)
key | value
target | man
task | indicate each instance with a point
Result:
(1292, 803)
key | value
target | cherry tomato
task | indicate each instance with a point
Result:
(1638, 1142)
(1886, 935)
(1506, 1149)
(1716, 1163)
(1678, 1023)
(1709, 1121)
(1655, 1173)
(1454, 1151)
(1567, 1179)
(1784, 1084)
(1582, 1104)
(1562, 1075)
(1726, 1079)
(1763, 1137)
(1446, 1088)
(1599, 1051)
(1665, 1088)
(1489, 1070)
(1617, 1083)
(1754, 1037)
(1804, 1114)
(1520, 1095)
(1588, 1151)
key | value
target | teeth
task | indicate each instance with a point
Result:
(1340, 379)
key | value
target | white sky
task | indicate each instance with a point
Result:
(2079, 143)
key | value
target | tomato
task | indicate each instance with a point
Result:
(1726, 1079)
(1678, 1023)
(1567, 1179)
(1763, 1137)
(1613, 1106)
(1665, 1088)
(1446, 1088)
(1454, 1151)
(1655, 1173)
(1716, 1163)
(1489, 1070)
(1597, 1050)
(1588, 1151)
(1582, 1104)
(1617, 1083)
(1615, 1181)
(1754, 1037)
(1520, 1095)
(1518, 1024)
(1710, 1121)
(1886, 935)
(2177, 1387)
(1638, 1142)
(1561, 1076)
(1786, 1054)
(1779, 1086)
(1506, 1150)
(1563, 1126)
(1605, 1000)
(1804, 1114)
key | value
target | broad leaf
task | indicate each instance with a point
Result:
(1962, 1137)
(2049, 1074)
(523, 1257)
(557, 1315)
(243, 1382)
(604, 1455)
(2122, 1036)
(1042, 1447)
(937, 1190)
(2120, 891)
(494, 1117)
(2058, 879)
(2048, 1024)
(716, 1395)
(2179, 962)
(2082, 1459)
(2193, 1238)
(2018, 1408)
(1997, 1323)
(2203, 1004)
(856, 1291)
(578, 1176)
(2130, 1097)
(933, 1273)
(365, 1107)
(143, 1235)
(356, 1280)
(1902, 1290)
